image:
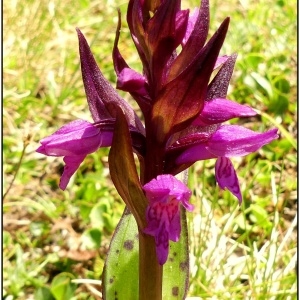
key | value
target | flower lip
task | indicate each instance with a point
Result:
(165, 194)
(166, 187)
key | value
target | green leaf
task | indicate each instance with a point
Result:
(120, 275)
(279, 105)
(176, 269)
(96, 215)
(253, 60)
(264, 83)
(283, 131)
(7, 239)
(43, 293)
(91, 238)
(61, 287)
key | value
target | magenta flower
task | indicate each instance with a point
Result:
(165, 194)
(74, 141)
(222, 142)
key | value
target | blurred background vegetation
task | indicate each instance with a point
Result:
(55, 242)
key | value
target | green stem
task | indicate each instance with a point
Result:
(150, 271)
(25, 144)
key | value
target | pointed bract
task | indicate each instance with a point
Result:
(183, 98)
(99, 91)
(194, 40)
(219, 85)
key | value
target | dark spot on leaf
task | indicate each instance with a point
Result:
(184, 266)
(171, 259)
(128, 245)
(175, 291)
(117, 251)
(174, 253)
(111, 280)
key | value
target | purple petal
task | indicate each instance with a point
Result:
(75, 138)
(74, 141)
(165, 193)
(158, 225)
(195, 42)
(163, 35)
(175, 228)
(136, 18)
(182, 23)
(225, 141)
(221, 60)
(72, 164)
(227, 178)
(162, 245)
(195, 153)
(131, 81)
(220, 110)
(234, 140)
(164, 187)
(128, 79)
(190, 26)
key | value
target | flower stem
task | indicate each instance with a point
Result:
(150, 271)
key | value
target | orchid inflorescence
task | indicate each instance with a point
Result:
(184, 112)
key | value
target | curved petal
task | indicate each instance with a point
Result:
(162, 245)
(72, 164)
(234, 140)
(194, 40)
(131, 81)
(165, 186)
(165, 193)
(190, 25)
(175, 228)
(158, 225)
(220, 110)
(195, 153)
(220, 61)
(227, 178)
(75, 138)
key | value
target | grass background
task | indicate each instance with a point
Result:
(54, 240)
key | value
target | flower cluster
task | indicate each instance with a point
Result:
(183, 107)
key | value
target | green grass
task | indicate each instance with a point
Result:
(50, 236)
